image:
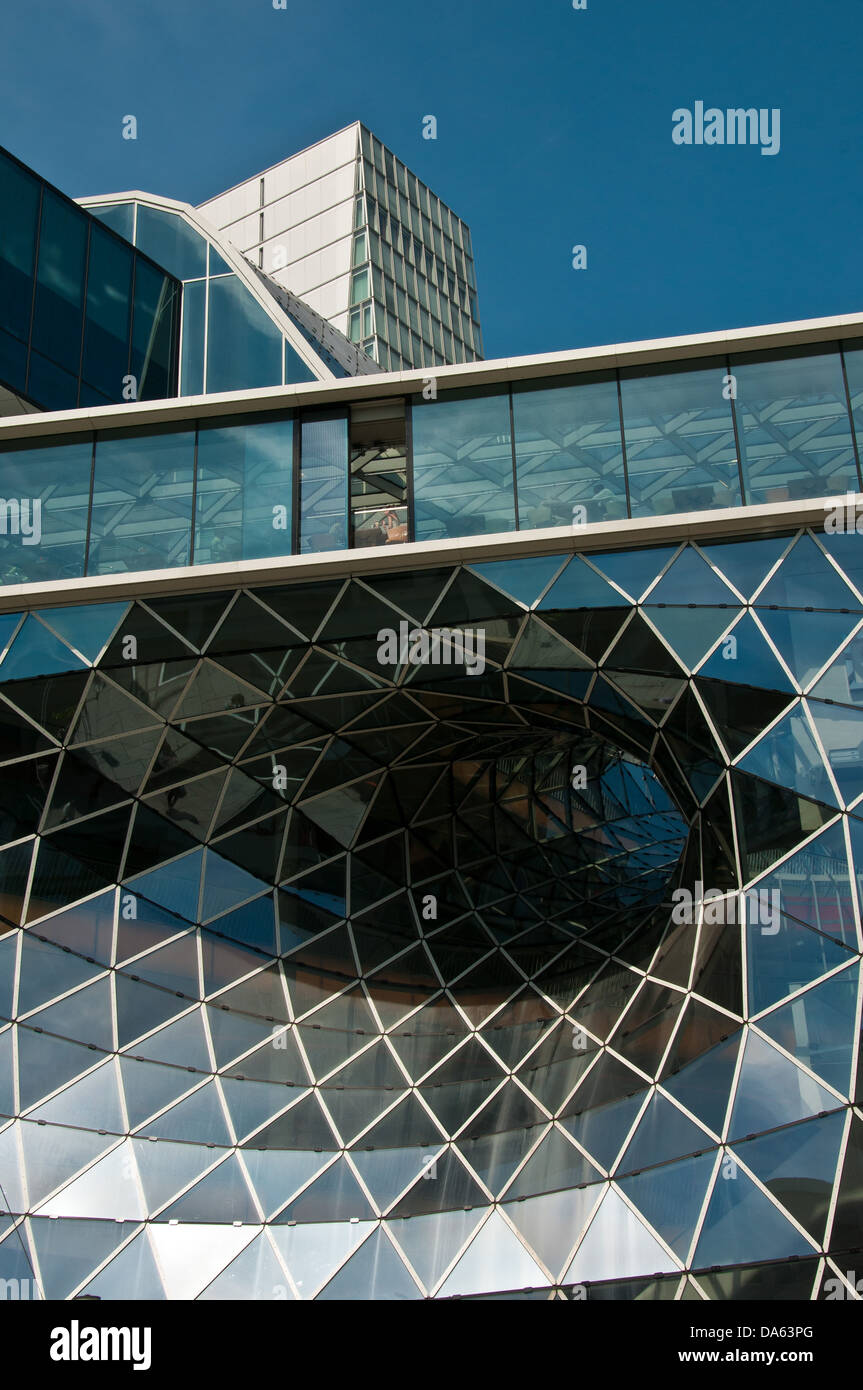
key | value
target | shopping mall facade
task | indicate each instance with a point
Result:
(432, 816)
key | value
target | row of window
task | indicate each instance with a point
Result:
(719, 432)
(84, 319)
(382, 170)
(420, 253)
(404, 331)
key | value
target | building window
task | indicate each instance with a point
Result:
(359, 286)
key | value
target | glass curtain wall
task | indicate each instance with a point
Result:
(85, 319)
(718, 433)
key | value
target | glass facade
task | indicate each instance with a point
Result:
(84, 318)
(332, 973)
(413, 289)
(228, 340)
(546, 453)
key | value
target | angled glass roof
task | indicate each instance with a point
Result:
(240, 330)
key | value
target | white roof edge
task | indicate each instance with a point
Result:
(645, 352)
(731, 523)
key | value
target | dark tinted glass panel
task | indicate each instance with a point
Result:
(13, 361)
(324, 485)
(295, 368)
(57, 319)
(244, 347)
(171, 243)
(463, 481)
(50, 386)
(245, 475)
(19, 199)
(680, 450)
(142, 508)
(795, 435)
(192, 350)
(51, 485)
(106, 329)
(152, 332)
(568, 452)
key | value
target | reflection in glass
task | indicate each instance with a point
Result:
(19, 198)
(142, 502)
(58, 474)
(243, 508)
(568, 451)
(463, 482)
(324, 484)
(58, 305)
(680, 450)
(244, 347)
(795, 435)
(171, 242)
(106, 330)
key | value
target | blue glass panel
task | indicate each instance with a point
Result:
(782, 963)
(843, 681)
(633, 570)
(19, 198)
(120, 217)
(244, 346)
(788, 755)
(581, 587)
(522, 579)
(244, 497)
(463, 483)
(703, 1085)
(771, 1091)
(58, 476)
(818, 1028)
(799, 1165)
(86, 628)
(13, 360)
(742, 1224)
(663, 1132)
(671, 1198)
(225, 885)
(601, 1131)
(295, 368)
(107, 315)
(59, 302)
(680, 449)
(142, 507)
(192, 349)
(806, 579)
(568, 451)
(171, 243)
(218, 265)
(689, 579)
(175, 887)
(841, 732)
(746, 661)
(324, 485)
(37, 652)
(51, 386)
(154, 349)
(745, 563)
(814, 888)
(795, 433)
(807, 640)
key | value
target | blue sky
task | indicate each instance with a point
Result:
(554, 129)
